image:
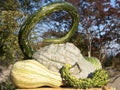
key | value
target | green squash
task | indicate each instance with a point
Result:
(99, 78)
(96, 62)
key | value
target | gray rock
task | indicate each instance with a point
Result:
(54, 56)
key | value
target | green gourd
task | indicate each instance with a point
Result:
(96, 62)
(99, 78)
(29, 24)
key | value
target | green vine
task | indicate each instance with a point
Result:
(39, 15)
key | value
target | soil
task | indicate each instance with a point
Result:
(114, 76)
(4, 73)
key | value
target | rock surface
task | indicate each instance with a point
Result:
(54, 56)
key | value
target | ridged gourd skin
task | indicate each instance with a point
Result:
(99, 78)
(32, 74)
(29, 24)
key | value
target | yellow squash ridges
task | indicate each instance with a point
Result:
(32, 74)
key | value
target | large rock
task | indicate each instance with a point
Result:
(54, 56)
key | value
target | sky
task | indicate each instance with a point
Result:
(112, 3)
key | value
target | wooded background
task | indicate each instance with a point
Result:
(98, 34)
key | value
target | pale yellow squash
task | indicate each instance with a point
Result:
(32, 74)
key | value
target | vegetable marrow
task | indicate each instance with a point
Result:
(32, 74)
(99, 78)
(96, 62)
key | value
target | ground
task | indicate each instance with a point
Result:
(114, 76)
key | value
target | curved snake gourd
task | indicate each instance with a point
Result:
(40, 14)
(99, 78)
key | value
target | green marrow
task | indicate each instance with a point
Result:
(96, 62)
(39, 15)
(99, 78)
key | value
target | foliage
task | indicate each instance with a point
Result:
(8, 36)
(9, 5)
(102, 16)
